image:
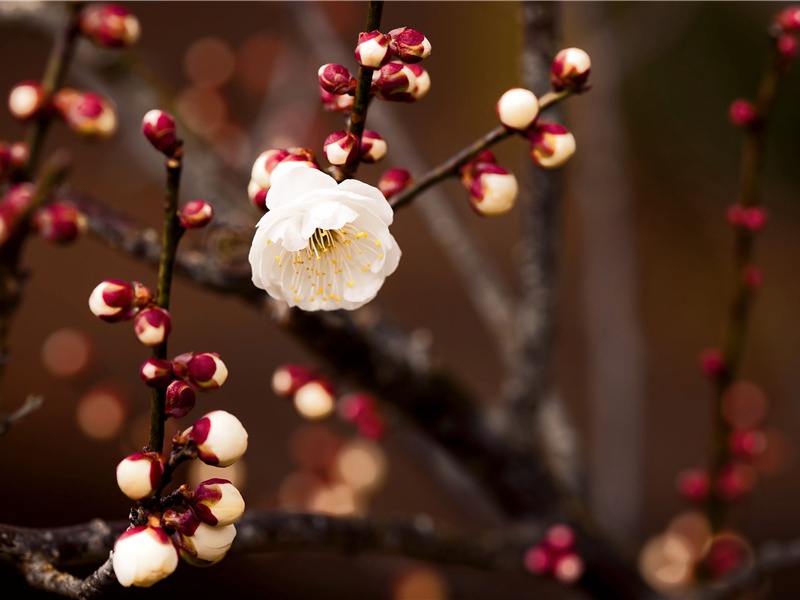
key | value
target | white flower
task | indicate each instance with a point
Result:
(144, 555)
(323, 245)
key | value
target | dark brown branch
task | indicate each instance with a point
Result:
(41, 574)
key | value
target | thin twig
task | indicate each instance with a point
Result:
(32, 403)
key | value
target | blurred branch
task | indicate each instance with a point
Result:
(32, 403)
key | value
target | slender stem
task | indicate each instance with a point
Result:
(741, 294)
(358, 116)
(451, 166)
(169, 245)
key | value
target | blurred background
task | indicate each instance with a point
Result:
(644, 270)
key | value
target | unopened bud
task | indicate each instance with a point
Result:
(139, 475)
(336, 79)
(257, 195)
(372, 49)
(18, 198)
(735, 480)
(143, 556)
(152, 326)
(475, 166)
(315, 400)
(341, 148)
(538, 560)
(570, 69)
(711, 362)
(373, 147)
(195, 214)
(394, 181)
(422, 82)
(159, 129)
(742, 113)
(156, 372)
(180, 399)
(109, 25)
(409, 45)
(787, 46)
(217, 502)
(494, 191)
(59, 223)
(20, 152)
(220, 438)
(789, 19)
(207, 545)
(287, 379)
(203, 371)
(693, 484)
(264, 164)
(552, 145)
(747, 443)
(751, 219)
(336, 102)
(518, 108)
(568, 568)
(27, 101)
(393, 79)
(112, 301)
(560, 538)
(86, 113)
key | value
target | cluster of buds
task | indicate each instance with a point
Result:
(555, 555)
(748, 219)
(344, 148)
(361, 410)
(114, 300)
(265, 164)
(784, 30)
(394, 181)
(313, 396)
(57, 222)
(492, 189)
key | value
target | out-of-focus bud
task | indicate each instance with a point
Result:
(265, 164)
(139, 475)
(195, 214)
(789, 19)
(19, 198)
(109, 25)
(152, 326)
(220, 438)
(361, 410)
(570, 69)
(336, 79)
(159, 129)
(742, 113)
(20, 152)
(86, 113)
(693, 484)
(315, 399)
(27, 101)
(203, 371)
(373, 147)
(394, 181)
(6, 165)
(409, 45)
(752, 277)
(518, 108)
(257, 195)
(217, 502)
(748, 443)
(372, 49)
(494, 191)
(787, 46)
(568, 568)
(551, 144)
(711, 362)
(735, 480)
(207, 544)
(156, 372)
(112, 301)
(341, 148)
(59, 223)
(144, 555)
(287, 379)
(336, 102)
(538, 560)
(180, 399)
(560, 538)
(752, 219)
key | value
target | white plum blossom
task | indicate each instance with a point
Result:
(323, 245)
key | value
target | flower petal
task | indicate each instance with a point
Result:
(291, 181)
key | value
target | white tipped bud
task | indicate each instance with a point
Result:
(220, 438)
(112, 301)
(152, 326)
(139, 475)
(552, 145)
(195, 214)
(494, 191)
(217, 502)
(203, 370)
(373, 147)
(207, 545)
(571, 68)
(315, 400)
(341, 148)
(264, 165)
(409, 45)
(518, 108)
(27, 100)
(144, 555)
(372, 49)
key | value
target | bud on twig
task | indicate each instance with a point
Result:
(287, 379)
(152, 326)
(143, 556)
(217, 502)
(552, 145)
(751, 219)
(220, 438)
(494, 191)
(109, 25)
(373, 147)
(409, 45)
(372, 49)
(206, 545)
(742, 113)
(394, 181)
(159, 129)
(180, 399)
(518, 108)
(336, 79)
(86, 113)
(195, 214)
(341, 148)
(156, 372)
(203, 371)
(59, 223)
(27, 101)
(112, 301)
(139, 475)
(570, 69)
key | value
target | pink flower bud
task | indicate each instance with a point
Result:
(315, 399)
(422, 82)
(19, 198)
(220, 438)
(257, 195)
(27, 101)
(341, 148)
(203, 371)
(109, 25)
(372, 49)
(570, 69)
(336, 79)
(789, 19)
(787, 46)
(475, 166)
(371, 425)
(752, 219)
(747, 443)
(287, 379)
(494, 192)
(152, 326)
(711, 362)
(361, 410)
(159, 129)
(538, 560)
(560, 538)
(551, 144)
(518, 108)
(693, 484)
(217, 502)
(409, 45)
(728, 553)
(112, 301)
(568, 568)
(735, 480)
(144, 555)
(393, 77)
(265, 164)
(59, 223)
(139, 475)
(336, 102)
(394, 181)
(86, 113)
(20, 153)
(180, 399)
(207, 545)
(156, 372)
(195, 214)
(373, 147)
(742, 113)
